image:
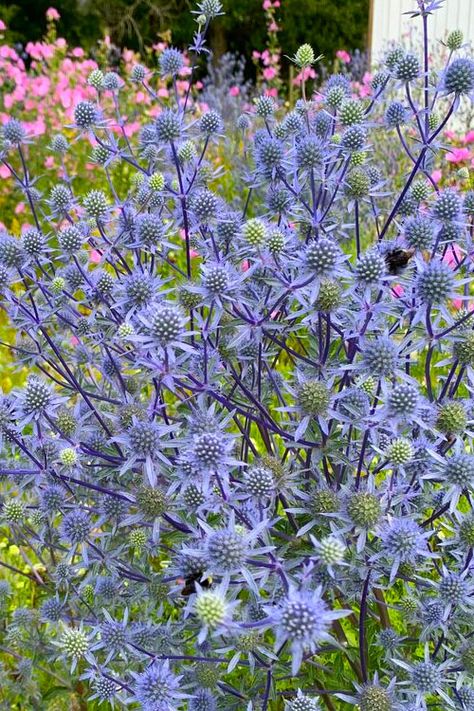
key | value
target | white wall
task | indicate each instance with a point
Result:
(389, 24)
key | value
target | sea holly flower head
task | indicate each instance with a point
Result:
(303, 619)
(403, 541)
(241, 350)
(157, 688)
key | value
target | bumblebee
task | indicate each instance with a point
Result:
(189, 584)
(397, 259)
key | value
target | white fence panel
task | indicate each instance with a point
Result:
(389, 24)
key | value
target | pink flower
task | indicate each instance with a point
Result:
(36, 128)
(234, 91)
(469, 137)
(457, 155)
(272, 92)
(95, 256)
(436, 176)
(52, 14)
(276, 3)
(267, 4)
(269, 73)
(453, 255)
(77, 52)
(182, 86)
(7, 52)
(49, 162)
(245, 266)
(451, 135)
(457, 304)
(398, 290)
(128, 55)
(2, 25)
(4, 172)
(344, 56)
(74, 341)
(40, 86)
(255, 54)
(20, 208)
(131, 128)
(306, 73)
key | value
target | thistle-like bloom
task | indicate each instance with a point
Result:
(403, 541)
(157, 688)
(303, 619)
(427, 677)
(214, 610)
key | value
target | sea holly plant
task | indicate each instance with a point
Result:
(239, 473)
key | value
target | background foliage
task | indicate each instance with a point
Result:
(329, 25)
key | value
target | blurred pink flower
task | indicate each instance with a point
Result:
(398, 290)
(52, 14)
(7, 52)
(49, 162)
(469, 137)
(269, 73)
(436, 175)
(36, 128)
(453, 255)
(267, 4)
(74, 341)
(2, 25)
(131, 127)
(234, 91)
(40, 86)
(457, 155)
(19, 208)
(95, 256)
(182, 86)
(306, 73)
(343, 56)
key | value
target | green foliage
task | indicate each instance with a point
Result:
(242, 29)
